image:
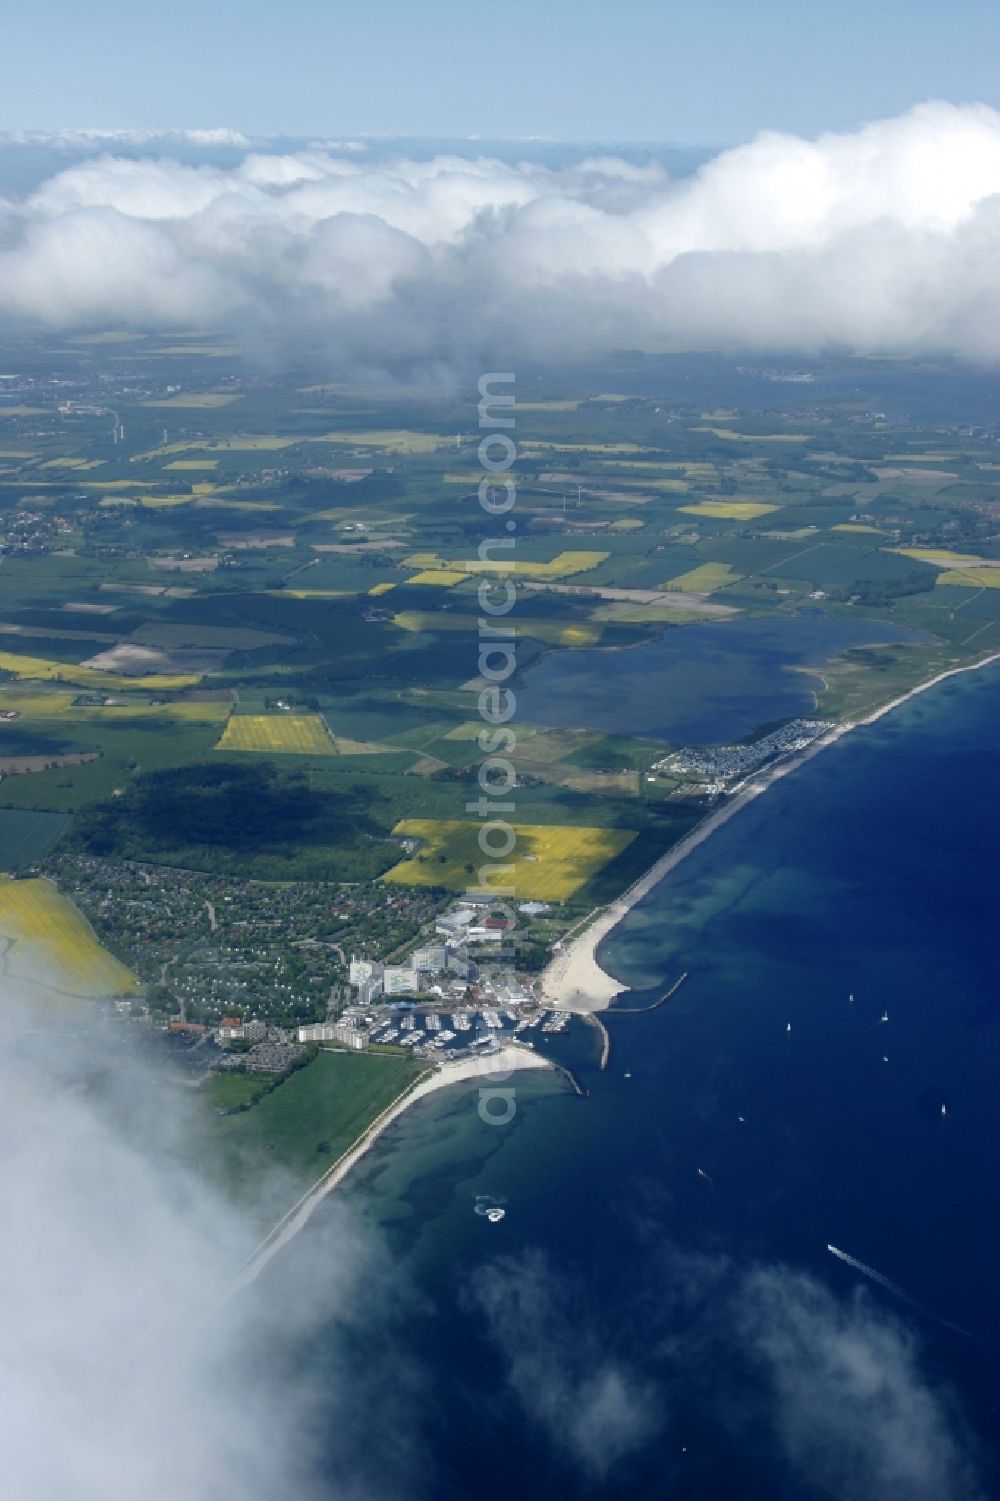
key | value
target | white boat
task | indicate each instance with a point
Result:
(885, 1016)
(944, 1109)
(495, 1215)
(789, 1027)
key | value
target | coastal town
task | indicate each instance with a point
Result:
(251, 976)
(439, 1003)
(722, 765)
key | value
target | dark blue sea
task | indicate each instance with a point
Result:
(658, 1313)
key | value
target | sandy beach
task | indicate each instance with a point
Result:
(494, 1068)
(574, 981)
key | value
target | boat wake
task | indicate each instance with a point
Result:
(872, 1275)
(898, 1292)
(490, 1207)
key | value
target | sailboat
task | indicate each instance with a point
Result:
(885, 1016)
(944, 1109)
(789, 1027)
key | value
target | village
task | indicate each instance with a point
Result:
(255, 976)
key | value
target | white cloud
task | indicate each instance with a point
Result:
(831, 1393)
(851, 1408)
(90, 139)
(125, 1368)
(884, 239)
(593, 1405)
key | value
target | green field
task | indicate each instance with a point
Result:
(27, 836)
(234, 1091)
(308, 1121)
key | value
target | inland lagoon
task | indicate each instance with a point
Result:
(698, 684)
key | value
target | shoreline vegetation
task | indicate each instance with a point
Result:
(510, 1059)
(575, 981)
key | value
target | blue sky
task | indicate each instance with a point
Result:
(707, 73)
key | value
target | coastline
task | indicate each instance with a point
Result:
(574, 980)
(508, 1060)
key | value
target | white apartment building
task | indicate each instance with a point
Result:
(363, 969)
(399, 979)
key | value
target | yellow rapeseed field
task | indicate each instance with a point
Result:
(44, 670)
(706, 578)
(278, 735)
(53, 944)
(971, 578)
(561, 566)
(550, 861)
(730, 510)
(939, 555)
(69, 463)
(31, 703)
(445, 577)
(552, 632)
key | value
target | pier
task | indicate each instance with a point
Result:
(571, 1080)
(640, 1010)
(595, 1021)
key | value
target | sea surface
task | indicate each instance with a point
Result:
(658, 1313)
(703, 685)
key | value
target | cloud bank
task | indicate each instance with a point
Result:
(595, 1407)
(126, 1369)
(885, 239)
(852, 1410)
(823, 1397)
